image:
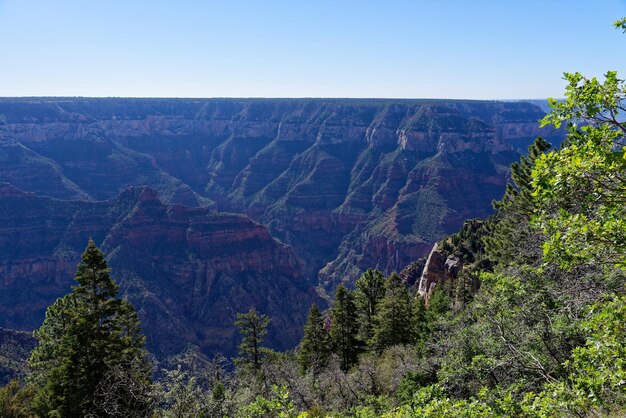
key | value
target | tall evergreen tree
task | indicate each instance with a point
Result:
(253, 328)
(315, 345)
(370, 290)
(91, 358)
(344, 328)
(395, 320)
(512, 239)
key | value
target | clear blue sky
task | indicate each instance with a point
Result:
(479, 49)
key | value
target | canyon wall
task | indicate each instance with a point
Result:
(187, 271)
(325, 189)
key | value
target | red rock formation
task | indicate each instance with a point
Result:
(187, 270)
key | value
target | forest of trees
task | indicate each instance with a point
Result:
(544, 336)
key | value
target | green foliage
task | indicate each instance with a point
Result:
(410, 384)
(315, 347)
(344, 328)
(438, 304)
(253, 328)
(467, 244)
(420, 320)
(15, 400)
(467, 250)
(373, 407)
(218, 392)
(595, 387)
(180, 396)
(277, 406)
(370, 290)
(580, 190)
(517, 333)
(91, 357)
(511, 239)
(598, 369)
(395, 320)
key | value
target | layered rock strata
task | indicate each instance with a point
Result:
(350, 184)
(324, 190)
(188, 271)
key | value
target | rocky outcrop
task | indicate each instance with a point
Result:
(440, 268)
(411, 274)
(454, 261)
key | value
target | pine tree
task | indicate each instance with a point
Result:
(344, 328)
(419, 319)
(253, 327)
(395, 320)
(315, 345)
(91, 358)
(512, 239)
(370, 290)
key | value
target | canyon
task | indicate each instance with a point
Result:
(206, 207)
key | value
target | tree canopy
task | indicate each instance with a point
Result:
(91, 358)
